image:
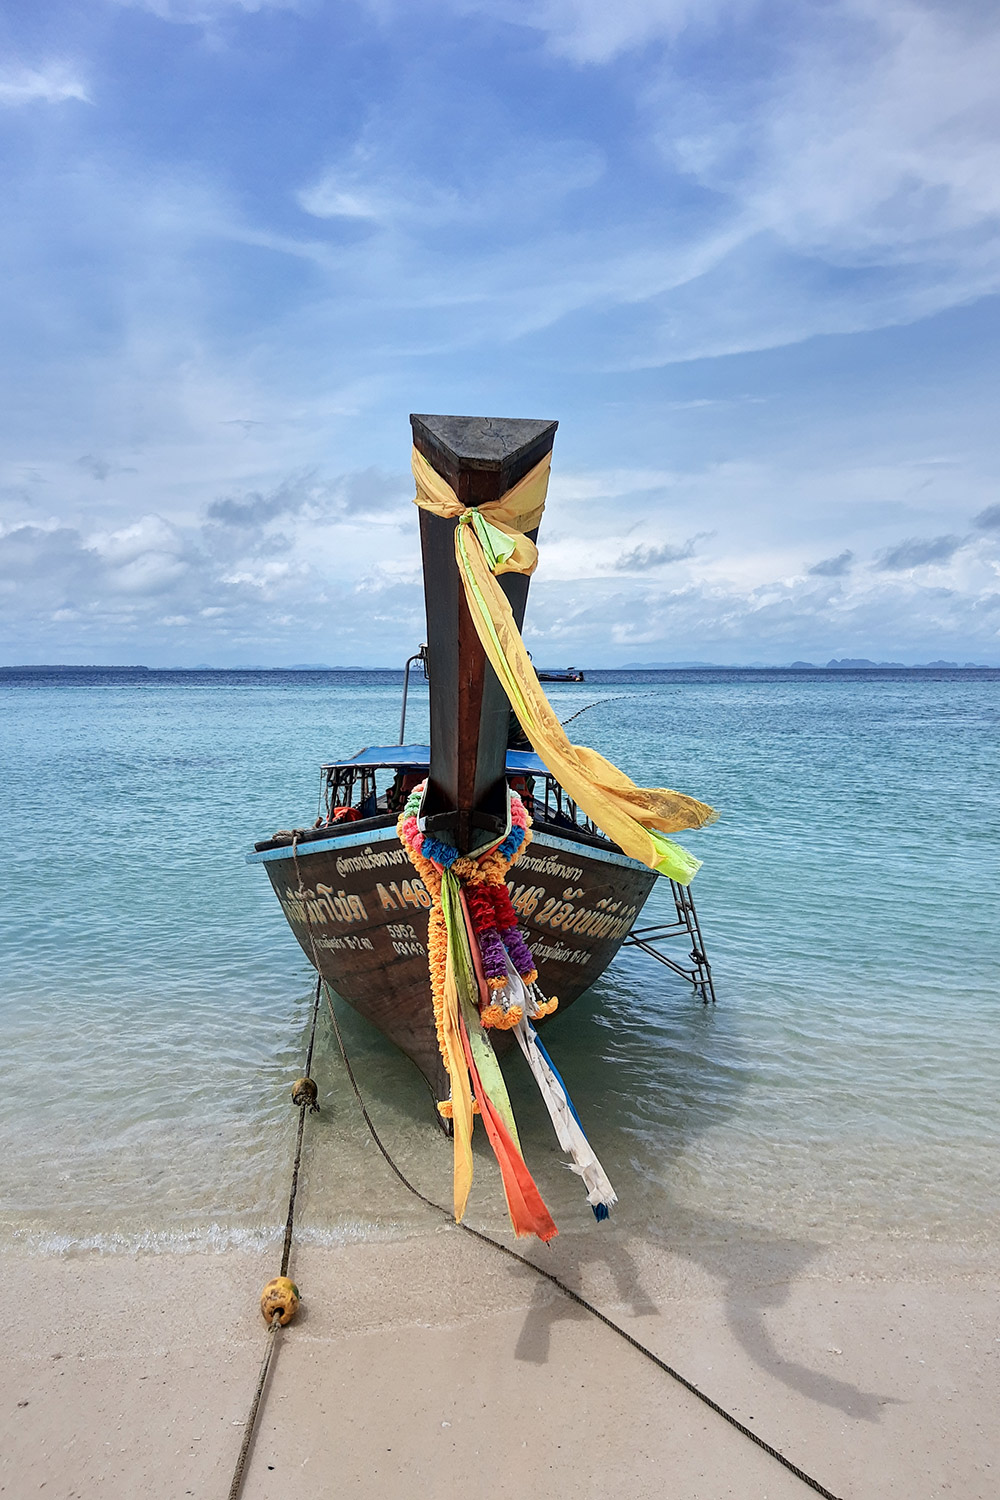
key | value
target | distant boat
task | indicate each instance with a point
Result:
(562, 674)
(347, 887)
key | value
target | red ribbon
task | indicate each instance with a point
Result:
(528, 1213)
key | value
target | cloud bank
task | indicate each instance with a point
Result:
(50, 84)
(318, 562)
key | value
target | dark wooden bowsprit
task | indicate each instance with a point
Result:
(481, 458)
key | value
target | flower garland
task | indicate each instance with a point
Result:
(493, 918)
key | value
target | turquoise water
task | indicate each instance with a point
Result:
(154, 1003)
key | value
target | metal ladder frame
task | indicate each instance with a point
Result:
(698, 972)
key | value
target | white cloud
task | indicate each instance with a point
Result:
(338, 555)
(144, 559)
(227, 576)
(891, 156)
(208, 12)
(857, 170)
(195, 352)
(521, 177)
(849, 157)
(51, 84)
(594, 31)
(851, 184)
(777, 621)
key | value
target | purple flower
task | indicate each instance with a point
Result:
(492, 949)
(520, 953)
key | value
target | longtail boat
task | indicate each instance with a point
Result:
(453, 892)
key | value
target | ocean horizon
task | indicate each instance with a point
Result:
(844, 664)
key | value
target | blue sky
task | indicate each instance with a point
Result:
(746, 253)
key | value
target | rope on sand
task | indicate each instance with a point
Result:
(280, 1297)
(251, 1422)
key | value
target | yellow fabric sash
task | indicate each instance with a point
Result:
(518, 511)
(489, 539)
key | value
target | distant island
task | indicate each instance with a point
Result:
(851, 663)
(845, 664)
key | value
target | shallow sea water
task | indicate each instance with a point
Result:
(154, 1004)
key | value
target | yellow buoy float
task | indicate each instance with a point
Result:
(280, 1296)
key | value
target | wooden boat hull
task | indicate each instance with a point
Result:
(355, 899)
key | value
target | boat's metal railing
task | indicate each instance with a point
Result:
(355, 786)
(556, 807)
(348, 786)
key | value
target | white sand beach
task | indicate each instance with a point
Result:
(434, 1365)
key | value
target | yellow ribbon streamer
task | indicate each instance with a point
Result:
(461, 1089)
(489, 539)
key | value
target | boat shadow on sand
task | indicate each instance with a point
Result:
(694, 1075)
(590, 1268)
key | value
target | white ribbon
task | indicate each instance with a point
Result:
(569, 1132)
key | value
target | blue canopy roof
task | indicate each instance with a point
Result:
(418, 758)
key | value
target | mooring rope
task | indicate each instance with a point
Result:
(307, 1104)
(689, 1385)
(567, 1291)
(304, 1108)
(251, 1422)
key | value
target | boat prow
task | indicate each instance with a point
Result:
(349, 892)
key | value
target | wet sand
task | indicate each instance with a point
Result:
(434, 1365)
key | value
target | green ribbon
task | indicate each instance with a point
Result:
(676, 862)
(496, 544)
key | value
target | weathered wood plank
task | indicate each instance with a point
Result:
(481, 458)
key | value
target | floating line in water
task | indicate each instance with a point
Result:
(615, 698)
